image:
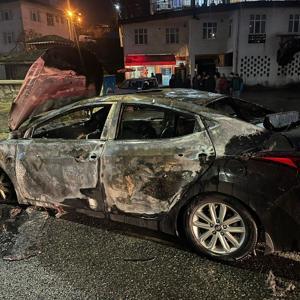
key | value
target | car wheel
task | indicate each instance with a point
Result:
(221, 228)
(6, 189)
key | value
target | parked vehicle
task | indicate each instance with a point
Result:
(162, 161)
(136, 85)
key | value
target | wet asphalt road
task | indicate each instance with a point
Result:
(276, 99)
(84, 258)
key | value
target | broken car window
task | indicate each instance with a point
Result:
(240, 109)
(151, 122)
(85, 123)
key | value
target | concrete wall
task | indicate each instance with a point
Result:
(41, 27)
(23, 27)
(10, 26)
(258, 61)
(157, 37)
(9, 89)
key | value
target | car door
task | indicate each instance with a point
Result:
(152, 161)
(64, 171)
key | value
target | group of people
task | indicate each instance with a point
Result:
(232, 85)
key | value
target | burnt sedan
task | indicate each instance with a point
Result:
(166, 164)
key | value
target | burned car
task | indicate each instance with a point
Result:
(163, 163)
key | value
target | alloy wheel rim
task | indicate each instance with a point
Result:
(218, 228)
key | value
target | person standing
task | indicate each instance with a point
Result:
(187, 82)
(172, 82)
(223, 84)
(204, 82)
(236, 86)
(195, 82)
(230, 79)
(210, 84)
(218, 83)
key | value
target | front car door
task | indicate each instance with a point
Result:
(156, 155)
(59, 165)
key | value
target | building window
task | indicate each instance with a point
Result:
(294, 24)
(172, 35)
(8, 38)
(230, 29)
(257, 24)
(209, 31)
(56, 19)
(35, 16)
(62, 20)
(6, 15)
(141, 36)
(50, 20)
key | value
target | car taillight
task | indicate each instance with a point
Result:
(293, 162)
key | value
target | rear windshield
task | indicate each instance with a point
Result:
(240, 109)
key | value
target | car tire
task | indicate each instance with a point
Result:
(7, 194)
(220, 227)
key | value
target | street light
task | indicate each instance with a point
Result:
(74, 18)
(70, 13)
(117, 7)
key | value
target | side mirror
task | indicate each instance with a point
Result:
(281, 120)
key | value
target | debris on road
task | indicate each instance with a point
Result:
(20, 232)
(279, 287)
(140, 259)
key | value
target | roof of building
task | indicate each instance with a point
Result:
(190, 11)
(38, 2)
(50, 39)
(24, 57)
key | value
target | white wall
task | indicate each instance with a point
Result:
(8, 26)
(157, 37)
(262, 57)
(257, 62)
(42, 28)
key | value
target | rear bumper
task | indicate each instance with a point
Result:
(282, 223)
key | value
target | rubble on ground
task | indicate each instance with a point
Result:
(20, 231)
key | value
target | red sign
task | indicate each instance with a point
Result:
(149, 60)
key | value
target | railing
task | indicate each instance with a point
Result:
(161, 5)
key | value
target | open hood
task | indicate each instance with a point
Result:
(62, 75)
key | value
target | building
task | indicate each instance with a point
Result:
(22, 20)
(258, 39)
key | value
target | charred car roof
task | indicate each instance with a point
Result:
(187, 95)
(153, 98)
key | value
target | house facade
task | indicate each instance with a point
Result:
(224, 36)
(24, 20)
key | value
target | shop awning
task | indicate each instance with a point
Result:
(149, 60)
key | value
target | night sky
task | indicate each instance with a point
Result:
(95, 11)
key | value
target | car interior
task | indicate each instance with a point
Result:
(149, 122)
(240, 109)
(86, 123)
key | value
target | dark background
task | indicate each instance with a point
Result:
(95, 11)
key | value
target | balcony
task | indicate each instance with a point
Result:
(165, 5)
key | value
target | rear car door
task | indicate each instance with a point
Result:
(60, 164)
(156, 155)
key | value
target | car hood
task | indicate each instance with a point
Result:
(62, 75)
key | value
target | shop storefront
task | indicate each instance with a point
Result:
(161, 66)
